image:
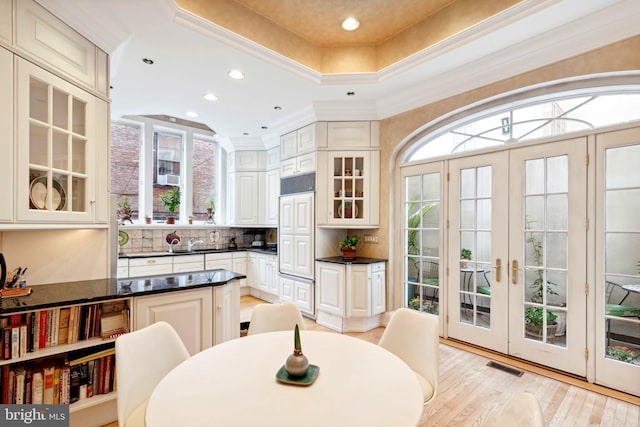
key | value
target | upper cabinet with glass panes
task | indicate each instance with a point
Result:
(57, 134)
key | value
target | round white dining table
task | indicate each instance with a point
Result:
(234, 384)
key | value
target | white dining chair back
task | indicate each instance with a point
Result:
(275, 317)
(413, 337)
(143, 358)
(522, 410)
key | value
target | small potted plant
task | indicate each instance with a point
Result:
(348, 247)
(147, 219)
(533, 318)
(465, 255)
(191, 217)
(211, 209)
(171, 201)
(124, 210)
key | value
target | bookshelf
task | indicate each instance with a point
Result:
(62, 354)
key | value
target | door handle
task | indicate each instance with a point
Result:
(514, 271)
(498, 268)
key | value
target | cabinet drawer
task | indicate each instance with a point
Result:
(378, 266)
(150, 266)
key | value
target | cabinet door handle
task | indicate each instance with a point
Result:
(151, 261)
(514, 271)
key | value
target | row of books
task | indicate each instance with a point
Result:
(56, 381)
(28, 332)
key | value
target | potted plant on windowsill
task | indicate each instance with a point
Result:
(533, 317)
(171, 201)
(211, 209)
(348, 247)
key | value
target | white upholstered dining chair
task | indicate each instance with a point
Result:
(144, 357)
(413, 337)
(275, 317)
(522, 410)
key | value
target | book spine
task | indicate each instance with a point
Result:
(15, 342)
(36, 331)
(64, 388)
(47, 338)
(7, 343)
(23, 339)
(42, 339)
(32, 329)
(107, 374)
(55, 326)
(20, 379)
(37, 388)
(5, 384)
(47, 393)
(56, 386)
(28, 385)
(12, 386)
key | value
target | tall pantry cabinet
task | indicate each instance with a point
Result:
(54, 127)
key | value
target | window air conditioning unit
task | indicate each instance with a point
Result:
(168, 179)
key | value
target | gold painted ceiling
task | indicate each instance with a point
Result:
(309, 31)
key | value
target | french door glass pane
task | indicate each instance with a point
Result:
(475, 207)
(546, 249)
(622, 254)
(422, 237)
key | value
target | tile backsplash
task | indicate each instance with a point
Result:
(145, 239)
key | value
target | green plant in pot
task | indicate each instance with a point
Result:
(348, 247)
(534, 322)
(171, 201)
(465, 254)
(124, 210)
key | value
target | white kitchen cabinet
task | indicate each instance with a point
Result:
(252, 270)
(267, 274)
(245, 196)
(188, 263)
(226, 303)
(123, 268)
(6, 23)
(353, 135)
(6, 128)
(303, 140)
(350, 296)
(246, 160)
(296, 235)
(189, 312)
(150, 266)
(239, 265)
(299, 291)
(273, 158)
(56, 157)
(222, 260)
(351, 196)
(330, 288)
(298, 165)
(272, 182)
(53, 42)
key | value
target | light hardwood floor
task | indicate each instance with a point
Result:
(470, 393)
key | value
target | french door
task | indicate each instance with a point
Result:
(617, 268)
(517, 252)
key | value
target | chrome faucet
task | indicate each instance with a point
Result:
(173, 242)
(191, 244)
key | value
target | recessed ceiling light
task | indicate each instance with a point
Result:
(210, 97)
(351, 93)
(236, 74)
(147, 61)
(277, 108)
(192, 114)
(350, 24)
(264, 127)
(245, 133)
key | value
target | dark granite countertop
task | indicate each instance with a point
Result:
(264, 250)
(357, 260)
(87, 291)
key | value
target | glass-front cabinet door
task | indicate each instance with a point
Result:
(55, 169)
(353, 188)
